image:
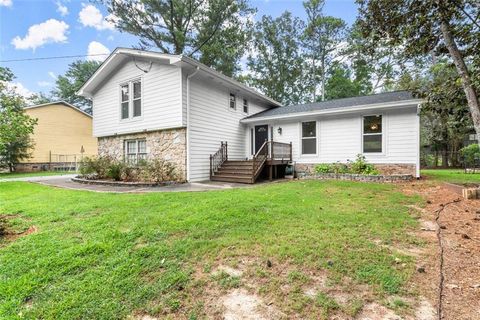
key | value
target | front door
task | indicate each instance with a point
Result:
(261, 135)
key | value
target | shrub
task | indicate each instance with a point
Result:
(116, 170)
(470, 153)
(95, 166)
(361, 166)
(340, 168)
(158, 170)
(323, 168)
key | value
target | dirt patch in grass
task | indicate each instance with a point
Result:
(13, 226)
(459, 225)
(252, 288)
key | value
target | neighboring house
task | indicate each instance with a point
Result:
(148, 104)
(62, 136)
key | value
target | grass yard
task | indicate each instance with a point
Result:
(112, 256)
(8, 175)
(451, 175)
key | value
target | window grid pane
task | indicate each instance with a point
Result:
(372, 124)
(125, 93)
(137, 108)
(309, 146)
(245, 105)
(309, 129)
(137, 90)
(232, 101)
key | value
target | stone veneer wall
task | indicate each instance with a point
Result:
(169, 145)
(384, 169)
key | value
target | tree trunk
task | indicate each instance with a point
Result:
(472, 97)
(323, 78)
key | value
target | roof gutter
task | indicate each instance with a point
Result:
(403, 103)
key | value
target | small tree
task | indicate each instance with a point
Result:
(15, 125)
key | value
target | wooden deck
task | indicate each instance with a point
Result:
(272, 154)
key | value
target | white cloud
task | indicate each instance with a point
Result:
(97, 51)
(50, 31)
(90, 16)
(52, 75)
(18, 88)
(44, 84)
(6, 3)
(61, 8)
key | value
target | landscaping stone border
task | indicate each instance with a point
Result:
(123, 183)
(357, 177)
(466, 192)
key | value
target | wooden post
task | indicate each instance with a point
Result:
(226, 150)
(291, 152)
(211, 167)
(270, 173)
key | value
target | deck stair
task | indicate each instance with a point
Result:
(240, 171)
(247, 171)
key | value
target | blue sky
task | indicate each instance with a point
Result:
(46, 28)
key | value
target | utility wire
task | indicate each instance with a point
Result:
(57, 57)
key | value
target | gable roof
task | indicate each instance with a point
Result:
(338, 105)
(119, 55)
(58, 102)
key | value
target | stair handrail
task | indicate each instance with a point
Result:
(259, 159)
(218, 158)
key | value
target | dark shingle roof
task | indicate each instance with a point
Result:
(337, 103)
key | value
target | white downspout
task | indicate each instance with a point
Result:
(188, 120)
(417, 171)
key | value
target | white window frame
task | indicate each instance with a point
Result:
(302, 138)
(131, 99)
(230, 101)
(383, 133)
(138, 155)
(246, 106)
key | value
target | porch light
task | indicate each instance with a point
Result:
(279, 130)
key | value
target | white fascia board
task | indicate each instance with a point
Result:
(333, 111)
(86, 89)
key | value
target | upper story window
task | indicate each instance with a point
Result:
(372, 134)
(233, 101)
(125, 101)
(309, 137)
(131, 104)
(245, 105)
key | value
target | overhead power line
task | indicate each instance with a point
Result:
(56, 57)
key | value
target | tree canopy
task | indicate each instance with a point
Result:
(15, 126)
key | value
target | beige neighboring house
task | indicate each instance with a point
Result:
(62, 136)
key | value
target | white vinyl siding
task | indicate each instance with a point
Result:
(212, 122)
(340, 138)
(161, 100)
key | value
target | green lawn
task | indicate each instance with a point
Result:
(451, 175)
(111, 256)
(8, 175)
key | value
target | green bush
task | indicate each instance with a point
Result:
(361, 166)
(116, 170)
(470, 153)
(340, 168)
(323, 168)
(158, 170)
(95, 166)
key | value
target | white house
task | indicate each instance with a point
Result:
(148, 104)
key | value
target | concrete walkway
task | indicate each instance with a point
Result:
(65, 182)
